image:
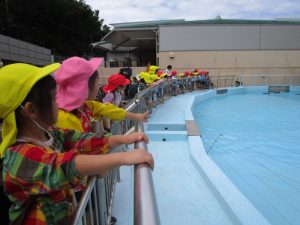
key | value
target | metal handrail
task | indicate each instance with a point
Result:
(265, 80)
(145, 204)
(84, 201)
(98, 195)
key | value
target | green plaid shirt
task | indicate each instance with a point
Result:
(39, 180)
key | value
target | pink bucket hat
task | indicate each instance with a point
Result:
(72, 79)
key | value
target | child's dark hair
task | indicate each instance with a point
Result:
(93, 79)
(41, 95)
(169, 67)
(143, 80)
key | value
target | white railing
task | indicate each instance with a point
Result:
(269, 80)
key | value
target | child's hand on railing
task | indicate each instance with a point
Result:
(143, 116)
(137, 156)
(136, 136)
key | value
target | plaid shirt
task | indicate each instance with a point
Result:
(39, 180)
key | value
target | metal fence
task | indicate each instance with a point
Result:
(223, 81)
(96, 202)
(269, 80)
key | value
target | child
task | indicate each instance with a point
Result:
(40, 165)
(114, 89)
(169, 70)
(77, 81)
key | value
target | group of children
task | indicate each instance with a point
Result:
(154, 75)
(48, 147)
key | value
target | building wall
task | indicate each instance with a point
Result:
(229, 37)
(232, 49)
(228, 63)
(261, 62)
(20, 51)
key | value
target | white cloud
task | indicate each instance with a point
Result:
(115, 11)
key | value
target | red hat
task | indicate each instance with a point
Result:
(186, 73)
(159, 73)
(115, 81)
(204, 72)
(174, 72)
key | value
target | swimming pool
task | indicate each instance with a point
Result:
(190, 188)
(254, 138)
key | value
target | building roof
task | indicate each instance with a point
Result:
(142, 35)
(157, 23)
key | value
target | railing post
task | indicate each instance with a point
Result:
(98, 128)
(145, 206)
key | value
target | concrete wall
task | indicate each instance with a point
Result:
(255, 67)
(260, 62)
(229, 37)
(19, 51)
(232, 49)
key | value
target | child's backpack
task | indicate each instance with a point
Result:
(131, 90)
(101, 94)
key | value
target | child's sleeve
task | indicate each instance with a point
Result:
(67, 120)
(40, 170)
(86, 143)
(108, 98)
(108, 110)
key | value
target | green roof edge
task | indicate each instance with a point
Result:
(158, 23)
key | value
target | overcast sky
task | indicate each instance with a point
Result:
(113, 11)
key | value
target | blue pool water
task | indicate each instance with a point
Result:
(255, 140)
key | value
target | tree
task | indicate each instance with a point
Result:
(67, 27)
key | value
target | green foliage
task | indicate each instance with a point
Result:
(67, 27)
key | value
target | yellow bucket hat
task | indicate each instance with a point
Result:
(16, 81)
(152, 69)
(146, 76)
